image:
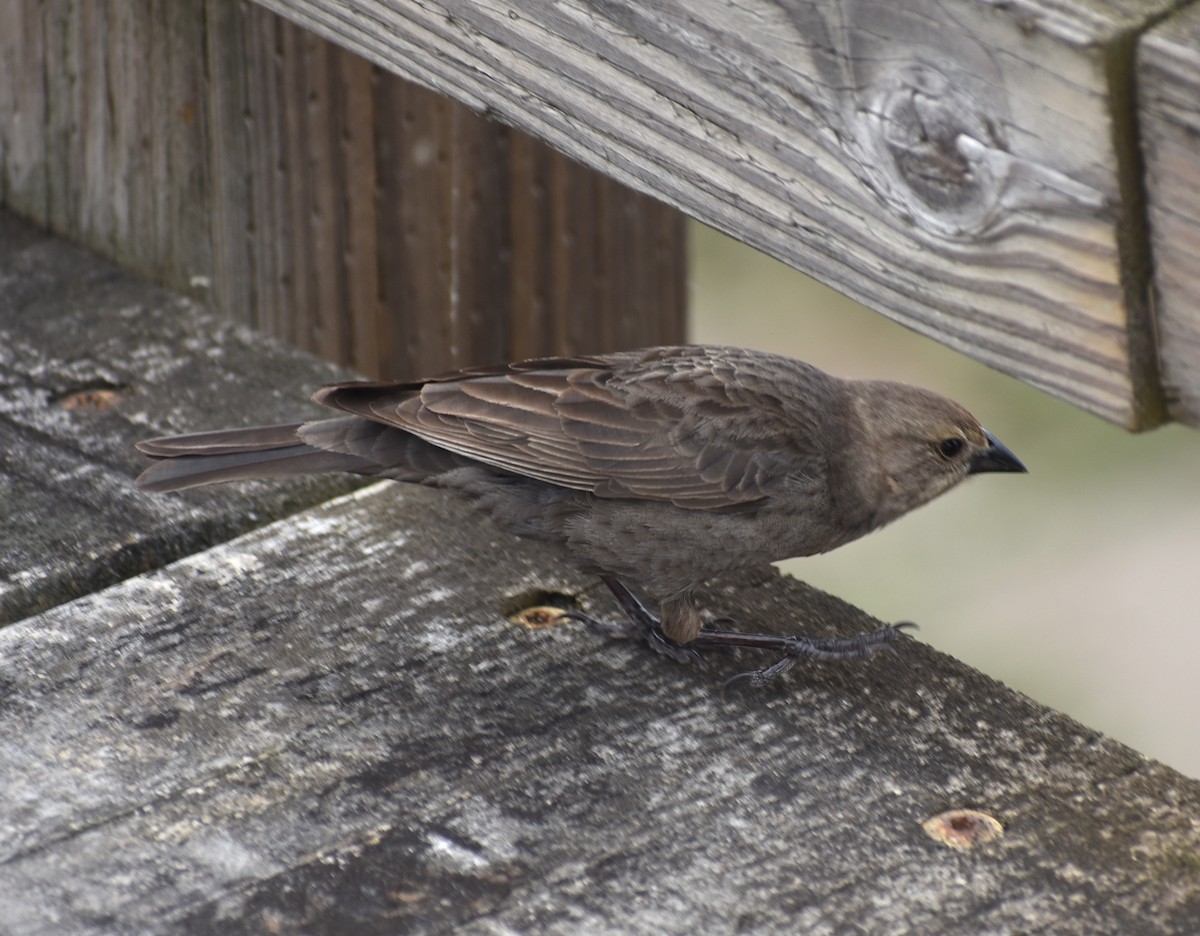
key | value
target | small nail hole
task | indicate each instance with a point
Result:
(538, 608)
(93, 397)
(963, 828)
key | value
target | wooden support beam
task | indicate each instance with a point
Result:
(223, 151)
(1169, 107)
(968, 168)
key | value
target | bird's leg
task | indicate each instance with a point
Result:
(643, 623)
(795, 648)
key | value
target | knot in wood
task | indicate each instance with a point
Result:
(936, 142)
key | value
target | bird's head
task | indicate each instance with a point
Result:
(914, 444)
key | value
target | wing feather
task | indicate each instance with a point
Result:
(704, 428)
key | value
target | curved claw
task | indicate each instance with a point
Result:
(601, 628)
(759, 678)
(681, 653)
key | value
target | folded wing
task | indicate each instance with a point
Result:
(672, 424)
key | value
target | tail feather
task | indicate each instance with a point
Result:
(347, 443)
(222, 441)
(189, 471)
(202, 458)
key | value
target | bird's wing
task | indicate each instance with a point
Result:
(706, 428)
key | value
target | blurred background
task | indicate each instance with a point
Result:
(1077, 584)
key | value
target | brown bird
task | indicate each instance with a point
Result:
(663, 467)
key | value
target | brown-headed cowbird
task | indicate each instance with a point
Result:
(663, 467)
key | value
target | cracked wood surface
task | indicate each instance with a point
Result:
(328, 724)
(91, 360)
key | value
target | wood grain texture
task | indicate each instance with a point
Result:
(328, 726)
(227, 153)
(1169, 117)
(91, 360)
(121, 124)
(962, 166)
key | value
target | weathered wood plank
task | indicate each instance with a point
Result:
(23, 166)
(440, 176)
(120, 125)
(328, 726)
(965, 167)
(91, 360)
(225, 152)
(1169, 121)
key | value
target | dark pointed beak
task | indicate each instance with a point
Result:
(996, 457)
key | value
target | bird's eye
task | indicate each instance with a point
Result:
(950, 447)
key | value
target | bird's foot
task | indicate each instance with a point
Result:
(796, 647)
(648, 630)
(643, 624)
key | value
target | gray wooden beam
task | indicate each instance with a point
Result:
(328, 726)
